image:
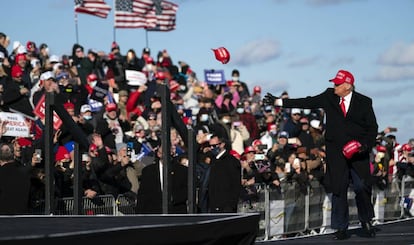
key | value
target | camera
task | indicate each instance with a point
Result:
(262, 147)
(85, 157)
(130, 147)
(38, 154)
(259, 157)
(237, 124)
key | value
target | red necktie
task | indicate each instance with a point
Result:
(342, 104)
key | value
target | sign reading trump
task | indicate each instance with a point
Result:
(40, 110)
(214, 77)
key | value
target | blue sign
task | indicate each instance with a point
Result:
(214, 77)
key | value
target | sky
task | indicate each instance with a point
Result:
(279, 45)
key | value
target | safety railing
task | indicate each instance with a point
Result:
(287, 212)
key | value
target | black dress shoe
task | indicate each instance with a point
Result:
(341, 234)
(368, 229)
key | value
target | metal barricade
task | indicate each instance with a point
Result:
(407, 197)
(294, 209)
(125, 205)
(100, 205)
(316, 199)
(256, 203)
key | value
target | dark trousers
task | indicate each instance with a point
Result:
(363, 192)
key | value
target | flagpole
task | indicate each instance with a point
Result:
(146, 38)
(76, 27)
(114, 34)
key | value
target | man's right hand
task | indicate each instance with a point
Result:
(269, 99)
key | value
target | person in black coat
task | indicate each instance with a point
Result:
(14, 183)
(350, 135)
(149, 200)
(225, 177)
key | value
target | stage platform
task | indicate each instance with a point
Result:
(396, 232)
(131, 229)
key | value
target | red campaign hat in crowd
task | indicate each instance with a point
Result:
(20, 57)
(69, 105)
(406, 147)
(381, 148)
(222, 55)
(16, 71)
(30, 45)
(248, 149)
(257, 89)
(62, 154)
(111, 107)
(186, 120)
(256, 142)
(91, 77)
(24, 142)
(343, 77)
(149, 59)
(271, 127)
(160, 75)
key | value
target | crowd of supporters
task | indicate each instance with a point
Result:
(121, 121)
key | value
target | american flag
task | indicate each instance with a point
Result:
(165, 13)
(93, 7)
(132, 13)
(154, 15)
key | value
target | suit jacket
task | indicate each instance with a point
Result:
(14, 188)
(359, 124)
(149, 199)
(225, 182)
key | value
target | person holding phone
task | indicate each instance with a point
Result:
(351, 130)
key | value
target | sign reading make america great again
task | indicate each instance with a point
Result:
(16, 124)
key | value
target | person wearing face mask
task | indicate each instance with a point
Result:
(225, 178)
(232, 130)
(204, 121)
(242, 88)
(86, 121)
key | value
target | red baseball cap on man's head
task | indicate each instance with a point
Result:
(343, 77)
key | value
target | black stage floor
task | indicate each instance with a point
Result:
(134, 229)
(397, 232)
(172, 229)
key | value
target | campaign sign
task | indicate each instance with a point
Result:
(16, 125)
(135, 78)
(40, 110)
(214, 77)
(99, 92)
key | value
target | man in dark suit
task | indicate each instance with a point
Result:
(14, 183)
(225, 177)
(351, 129)
(149, 199)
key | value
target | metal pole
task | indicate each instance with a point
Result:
(77, 183)
(49, 156)
(192, 161)
(166, 146)
(76, 27)
(146, 38)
